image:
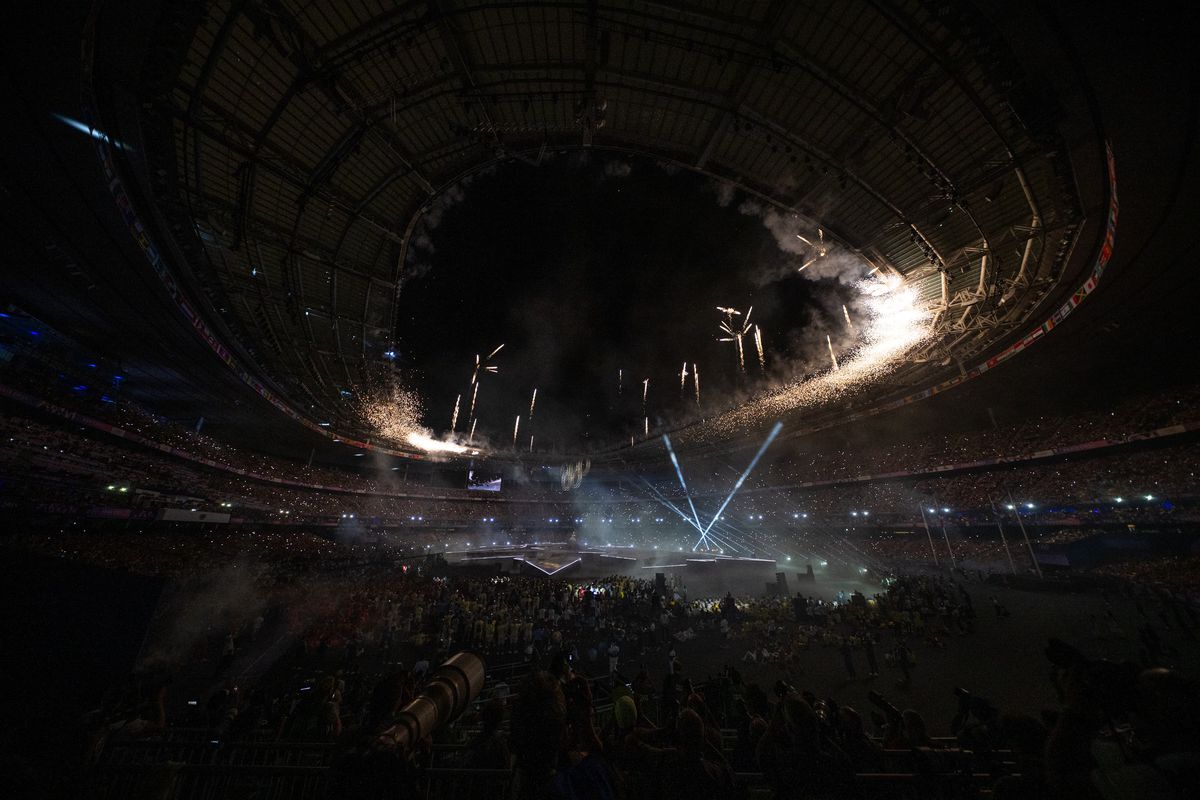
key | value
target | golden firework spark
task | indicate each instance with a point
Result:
(393, 412)
(474, 394)
(762, 364)
(892, 320)
(735, 334)
(471, 437)
(454, 416)
(696, 381)
(846, 313)
(683, 373)
(832, 357)
(516, 427)
(532, 403)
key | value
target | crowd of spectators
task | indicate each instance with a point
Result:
(579, 724)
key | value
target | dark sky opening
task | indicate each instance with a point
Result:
(583, 266)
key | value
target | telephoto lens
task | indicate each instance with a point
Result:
(450, 691)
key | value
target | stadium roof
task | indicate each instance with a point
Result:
(285, 153)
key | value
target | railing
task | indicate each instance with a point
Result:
(276, 782)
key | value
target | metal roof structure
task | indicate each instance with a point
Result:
(296, 146)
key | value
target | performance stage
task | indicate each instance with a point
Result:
(701, 574)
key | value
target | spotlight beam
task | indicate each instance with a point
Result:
(682, 482)
(668, 504)
(742, 478)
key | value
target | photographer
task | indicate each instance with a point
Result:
(796, 759)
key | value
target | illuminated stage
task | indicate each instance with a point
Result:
(702, 573)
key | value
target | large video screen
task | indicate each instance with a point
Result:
(482, 480)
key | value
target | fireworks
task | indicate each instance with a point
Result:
(832, 357)
(620, 381)
(891, 321)
(645, 389)
(454, 416)
(646, 425)
(516, 427)
(471, 436)
(474, 394)
(846, 313)
(393, 411)
(531, 442)
(532, 403)
(696, 381)
(482, 363)
(735, 334)
(762, 364)
(683, 379)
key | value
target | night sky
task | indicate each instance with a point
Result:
(585, 265)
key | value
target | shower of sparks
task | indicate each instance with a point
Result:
(516, 427)
(532, 403)
(683, 379)
(832, 357)
(696, 381)
(454, 416)
(762, 364)
(846, 313)
(891, 321)
(393, 411)
(735, 334)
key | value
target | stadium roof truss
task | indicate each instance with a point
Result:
(304, 141)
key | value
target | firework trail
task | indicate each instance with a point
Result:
(696, 381)
(531, 442)
(620, 381)
(532, 403)
(645, 389)
(832, 357)
(846, 313)
(454, 416)
(471, 437)
(497, 350)
(646, 426)
(516, 427)
(475, 374)
(474, 394)
(735, 334)
(683, 379)
(762, 364)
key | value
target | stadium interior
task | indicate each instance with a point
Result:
(578, 399)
